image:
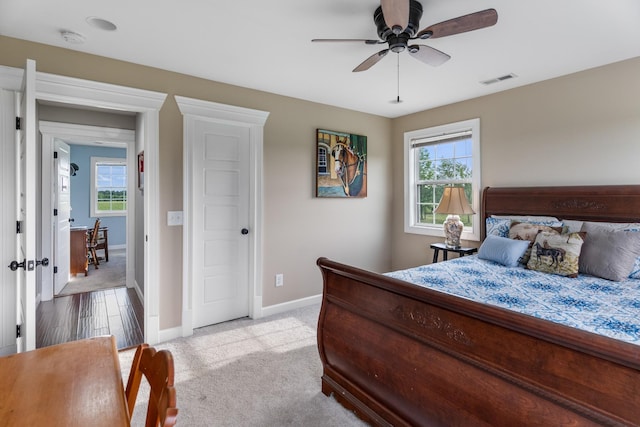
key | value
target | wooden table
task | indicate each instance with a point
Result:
(78, 251)
(78, 383)
(437, 247)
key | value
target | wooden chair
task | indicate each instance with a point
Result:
(157, 368)
(92, 240)
(102, 242)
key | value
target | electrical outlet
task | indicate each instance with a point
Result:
(279, 279)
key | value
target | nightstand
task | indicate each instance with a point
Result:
(437, 247)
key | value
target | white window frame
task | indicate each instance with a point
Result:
(410, 212)
(95, 213)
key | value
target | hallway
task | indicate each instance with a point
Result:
(115, 311)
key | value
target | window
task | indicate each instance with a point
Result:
(322, 161)
(434, 158)
(108, 187)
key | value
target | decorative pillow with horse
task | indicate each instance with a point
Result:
(528, 231)
(556, 253)
(498, 225)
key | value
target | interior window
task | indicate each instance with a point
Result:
(108, 187)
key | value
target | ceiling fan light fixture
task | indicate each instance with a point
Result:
(389, 19)
(396, 14)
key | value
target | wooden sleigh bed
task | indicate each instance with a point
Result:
(398, 354)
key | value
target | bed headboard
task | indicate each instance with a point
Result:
(611, 203)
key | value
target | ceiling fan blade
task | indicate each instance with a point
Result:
(365, 41)
(428, 55)
(461, 24)
(396, 14)
(371, 61)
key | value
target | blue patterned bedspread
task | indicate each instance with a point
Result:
(588, 303)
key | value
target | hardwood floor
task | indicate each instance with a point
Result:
(115, 311)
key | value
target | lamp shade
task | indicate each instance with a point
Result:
(454, 202)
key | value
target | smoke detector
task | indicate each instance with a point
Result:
(72, 37)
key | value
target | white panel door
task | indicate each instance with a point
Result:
(7, 222)
(220, 222)
(62, 204)
(26, 215)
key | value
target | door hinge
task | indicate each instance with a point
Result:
(17, 123)
(18, 331)
(55, 269)
(18, 227)
(55, 212)
(55, 154)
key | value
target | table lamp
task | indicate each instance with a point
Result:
(454, 203)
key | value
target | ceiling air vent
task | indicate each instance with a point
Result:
(499, 79)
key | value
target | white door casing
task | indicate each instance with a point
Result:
(61, 222)
(26, 212)
(207, 118)
(147, 104)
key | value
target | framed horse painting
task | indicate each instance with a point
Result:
(341, 164)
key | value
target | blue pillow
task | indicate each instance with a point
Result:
(503, 250)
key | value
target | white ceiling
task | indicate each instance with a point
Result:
(266, 45)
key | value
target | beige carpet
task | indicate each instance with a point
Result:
(108, 275)
(250, 373)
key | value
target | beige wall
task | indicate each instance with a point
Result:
(581, 129)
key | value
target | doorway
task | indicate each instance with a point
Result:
(89, 147)
(223, 149)
(145, 105)
(89, 175)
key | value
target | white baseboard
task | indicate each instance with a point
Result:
(291, 305)
(116, 247)
(169, 334)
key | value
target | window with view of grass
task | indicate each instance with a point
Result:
(436, 157)
(108, 187)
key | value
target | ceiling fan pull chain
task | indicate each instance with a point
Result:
(398, 74)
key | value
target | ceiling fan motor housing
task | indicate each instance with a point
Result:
(397, 43)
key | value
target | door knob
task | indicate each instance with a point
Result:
(44, 262)
(71, 219)
(16, 265)
(245, 231)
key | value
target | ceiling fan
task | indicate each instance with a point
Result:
(398, 21)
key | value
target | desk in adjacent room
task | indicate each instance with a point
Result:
(78, 383)
(78, 251)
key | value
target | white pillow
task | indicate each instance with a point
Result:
(503, 250)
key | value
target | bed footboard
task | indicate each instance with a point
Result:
(397, 354)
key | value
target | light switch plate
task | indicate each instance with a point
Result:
(174, 218)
